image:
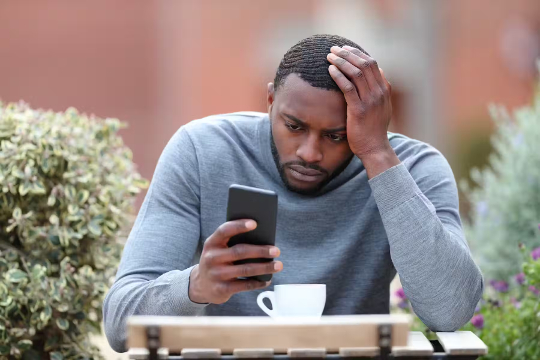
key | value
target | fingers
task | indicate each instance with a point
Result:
(236, 286)
(225, 231)
(241, 252)
(389, 86)
(231, 272)
(353, 67)
(349, 90)
(376, 79)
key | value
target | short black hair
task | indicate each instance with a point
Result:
(308, 60)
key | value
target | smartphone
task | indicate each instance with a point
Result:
(261, 205)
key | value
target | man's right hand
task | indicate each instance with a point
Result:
(215, 279)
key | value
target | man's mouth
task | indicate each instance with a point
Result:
(303, 174)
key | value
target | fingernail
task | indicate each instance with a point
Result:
(274, 251)
(278, 266)
(251, 224)
(335, 48)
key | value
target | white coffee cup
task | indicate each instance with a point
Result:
(303, 300)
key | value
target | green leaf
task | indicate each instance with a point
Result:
(52, 200)
(56, 356)
(38, 188)
(104, 198)
(63, 324)
(82, 196)
(7, 301)
(94, 227)
(38, 271)
(111, 224)
(80, 315)
(24, 344)
(141, 183)
(50, 343)
(62, 307)
(4, 349)
(70, 192)
(32, 234)
(46, 314)
(18, 173)
(15, 275)
(72, 209)
(54, 240)
(64, 237)
(17, 213)
(45, 164)
(54, 220)
(11, 227)
(25, 188)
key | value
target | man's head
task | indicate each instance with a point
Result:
(308, 115)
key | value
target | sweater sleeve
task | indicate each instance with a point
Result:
(418, 203)
(153, 275)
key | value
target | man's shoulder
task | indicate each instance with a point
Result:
(217, 134)
(220, 123)
(403, 143)
(412, 151)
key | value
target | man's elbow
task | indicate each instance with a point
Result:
(453, 317)
(449, 320)
(114, 328)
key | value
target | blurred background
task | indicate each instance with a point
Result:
(160, 64)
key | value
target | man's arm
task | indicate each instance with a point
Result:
(153, 276)
(419, 209)
(427, 245)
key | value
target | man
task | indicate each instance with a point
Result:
(356, 204)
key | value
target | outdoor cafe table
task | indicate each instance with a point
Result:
(330, 337)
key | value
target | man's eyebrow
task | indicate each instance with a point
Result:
(301, 123)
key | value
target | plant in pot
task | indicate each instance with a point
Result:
(67, 188)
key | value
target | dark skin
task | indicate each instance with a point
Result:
(308, 129)
(362, 110)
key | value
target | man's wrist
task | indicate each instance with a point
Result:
(193, 292)
(379, 161)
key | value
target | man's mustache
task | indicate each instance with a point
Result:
(303, 164)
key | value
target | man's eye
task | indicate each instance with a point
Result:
(293, 127)
(337, 138)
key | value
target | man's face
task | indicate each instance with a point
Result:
(308, 134)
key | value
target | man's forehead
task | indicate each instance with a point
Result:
(325, 108)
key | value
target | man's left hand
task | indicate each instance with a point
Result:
(367, 93)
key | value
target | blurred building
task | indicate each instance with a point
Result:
(160, 64)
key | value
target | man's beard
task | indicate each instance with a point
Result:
(309, 192)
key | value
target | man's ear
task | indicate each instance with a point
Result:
(270, 97)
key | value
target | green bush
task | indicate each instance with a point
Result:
(506, 202)
(504, 227)
(507, 318)
(67, 184)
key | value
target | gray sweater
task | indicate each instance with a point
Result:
(353, 237)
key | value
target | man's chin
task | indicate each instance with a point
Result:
(304, 187)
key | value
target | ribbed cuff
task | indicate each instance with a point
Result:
(180, 294)
(393, 187)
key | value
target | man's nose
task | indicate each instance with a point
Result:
(310, 150)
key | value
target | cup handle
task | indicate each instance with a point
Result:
(270, 295)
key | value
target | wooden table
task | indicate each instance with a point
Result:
(330, 337)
